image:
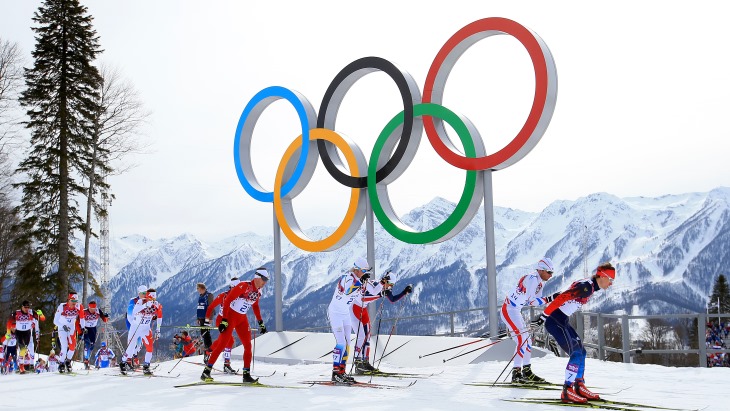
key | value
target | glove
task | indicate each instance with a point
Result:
(262, 327)
(540, 321)
(409, 289)
(223, 325)
(550, 298)
(39, 312)
(364, 277)
(66, 328)
(157, 335)
(85, 331)
(385, 279)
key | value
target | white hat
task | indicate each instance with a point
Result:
(141, 289)
(263, 273)
(362, 264)
(545, 264)
(234, 282)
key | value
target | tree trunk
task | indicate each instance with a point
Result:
(87, 235)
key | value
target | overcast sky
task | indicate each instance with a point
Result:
(642, 103)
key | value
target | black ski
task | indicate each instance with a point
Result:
(518, 386)
(228, 373)
(619, 403)
(235, 384)
(357, 384)
(397, 374)
(572, 404)
(143, 375)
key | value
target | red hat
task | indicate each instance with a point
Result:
(92, 304)
(74, 297)
(606, 272)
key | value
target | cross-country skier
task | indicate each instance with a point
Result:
(350, 287)
(103, 357)
(24, 321)
(240, 298)
(205, 299)
(527, 292)
(53, 361)
(92, 314)
(65, 320)
(141, 293)
(4, 365)
(361, 320)
(11, 351)
(218, 300)
(143, 313)
(556, 316)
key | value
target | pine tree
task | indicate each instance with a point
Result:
(60, 99)
(722, 291)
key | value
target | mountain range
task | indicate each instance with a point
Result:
(668, 251)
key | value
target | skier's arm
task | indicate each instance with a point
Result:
(579, 290)
(393, 298)
(373, 289)
(218, 300)
(57, 317)
(256, 310)
(82, 319)
(159, 317)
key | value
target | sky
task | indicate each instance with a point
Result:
(641, 105)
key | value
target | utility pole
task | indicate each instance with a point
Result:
(109, 334)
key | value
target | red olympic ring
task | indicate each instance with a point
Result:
(542, 106)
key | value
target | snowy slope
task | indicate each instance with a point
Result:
(688, 388)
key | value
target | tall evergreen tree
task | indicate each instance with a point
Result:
(61, 100)
(722, 291)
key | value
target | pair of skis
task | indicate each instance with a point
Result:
(599, 404)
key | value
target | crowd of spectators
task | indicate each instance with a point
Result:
(716, 334)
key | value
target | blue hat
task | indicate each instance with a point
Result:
(103, 343)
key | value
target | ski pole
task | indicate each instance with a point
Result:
(476, 349)
(511, 359)
(253, 353)
(395, 322)
(454, 347)
(380, 319)
(359, 324)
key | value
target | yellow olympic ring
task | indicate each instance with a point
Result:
(282, 205)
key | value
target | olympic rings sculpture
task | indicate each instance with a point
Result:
(400, 137)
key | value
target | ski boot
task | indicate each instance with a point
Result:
(61, 368)
(363, 366)
(580, 388)
(227, 369)
(531, 377)
(569, 395)
(86, 364)
(205, 376)
(517, 377)
(69, 367)
(339, 377)
(146, 369)
(21, 369)
(124, 367)
(247, 378)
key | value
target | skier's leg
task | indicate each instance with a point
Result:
(515, 326)
(244, 333)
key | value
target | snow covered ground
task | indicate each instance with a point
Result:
(689, 388)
